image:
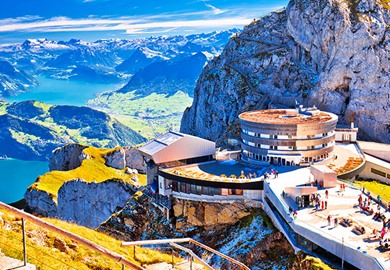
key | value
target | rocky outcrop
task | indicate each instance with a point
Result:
(71, 155)
(332, 54)
(66, 158)
(209, 214)
(90, 204)
(40, 203)
(87, 204)
(116, 159)
(250, 239)
(134, 159)
(126, 156)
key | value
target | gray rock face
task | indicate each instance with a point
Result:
(90, 204)
(134, 159)
(126, 157)
(41, 203)
(116, 159)
(332, 54)
(66, 158)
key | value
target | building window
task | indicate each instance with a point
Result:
(378, 172)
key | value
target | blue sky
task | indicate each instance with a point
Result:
(96, 19)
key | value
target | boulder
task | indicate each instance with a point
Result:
(67, 157)
(134, 159)
(116, 159)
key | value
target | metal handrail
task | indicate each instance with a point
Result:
(185, 240)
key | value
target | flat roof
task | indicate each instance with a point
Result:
(377, 161)
(285, 117)
(218, 171)
(374, 146)
(174, 146)
(160, 143)
(340, 205)
(323, 168)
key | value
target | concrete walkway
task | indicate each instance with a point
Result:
(341, 205)
(7, 263)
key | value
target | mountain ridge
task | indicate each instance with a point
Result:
(106, 61)
(31, 130)
(316, 53)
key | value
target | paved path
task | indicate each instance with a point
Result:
(341, 205)
(7, 263)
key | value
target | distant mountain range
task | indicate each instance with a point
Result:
(31, 130)
(167, 63)
(13, 80)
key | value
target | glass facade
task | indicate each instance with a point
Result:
(200, 190)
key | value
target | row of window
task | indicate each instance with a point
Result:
(378, 172)
(285, 137)
(199, 190)
(283, 161)
(281, 147)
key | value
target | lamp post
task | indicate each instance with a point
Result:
(342, 253)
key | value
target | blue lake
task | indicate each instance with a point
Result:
(61, 92)
(16, 176)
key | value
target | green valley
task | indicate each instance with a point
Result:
(148, 115)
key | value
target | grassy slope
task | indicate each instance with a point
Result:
(153, 113)
(91, 170)
(41, 248)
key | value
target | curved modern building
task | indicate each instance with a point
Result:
(287, 137)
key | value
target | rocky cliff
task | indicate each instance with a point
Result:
(90, 204)
(234, 229)
(332, 54)
(86, 185)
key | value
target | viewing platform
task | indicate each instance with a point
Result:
(225, 174)
(310, 230)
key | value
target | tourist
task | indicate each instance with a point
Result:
(326, 194)
(360, 199)
(383, 232)
(322, 205)
(317, 205)
(329, 219)
(295, 214)
(326, 204)
(290, 209)
(336, 221)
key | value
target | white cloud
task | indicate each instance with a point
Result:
(194, 24)
(215, 10)
(204, 20)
